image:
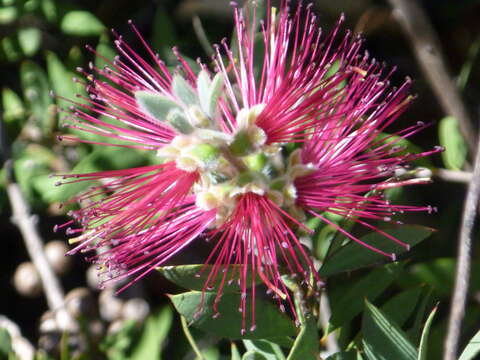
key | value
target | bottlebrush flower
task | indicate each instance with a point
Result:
(224, 171)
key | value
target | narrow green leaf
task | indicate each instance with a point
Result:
(155, 332)
(423, 348)
(370, 287)
(306, 344)
(191, 339)
(155, 105)
(354, 255)
(452, 140)
(193, 278)
(184, 91)
(268, 349)
(253, 355)
(235, 353)
(472, 349)
(81, 23)
(270, 322)
(400, 307)
(383, 338)
(349, 355)
(408, 147)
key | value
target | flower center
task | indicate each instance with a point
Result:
(229, 164)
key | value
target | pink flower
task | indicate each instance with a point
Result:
(223, 171)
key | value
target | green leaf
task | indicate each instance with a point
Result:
(235, 353)
(270, 322)
(306, 344)
(354, 255)
(193, 278)
(408, 147)
(36, 91)
(253, 355)
(177, 119)
(62, 81)
(8, 14)
(214, 94)
(49, 9)
(342, 355)
(400, 307)
(184, 91)
(371, 286)
(5, 343)
(81, 23)
(423, 348)
(209, 91)
(154, 334)
(13, 108)
(472, 349)
(155, 105)
(104, 51)
(33, 162)
(269, 350)
(29, 40)
(452, 140)
(383, 338)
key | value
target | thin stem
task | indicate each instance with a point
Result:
(190, 339)
(453, 175)
(427, 48)
(457, 307)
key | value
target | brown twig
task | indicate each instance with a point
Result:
(428, 51)
(462, 277)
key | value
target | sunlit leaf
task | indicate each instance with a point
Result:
(81, 23)
(452, 140)
(472, 349)
(270, 322)
(29, 40)
(423, 348)
(193, 277)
